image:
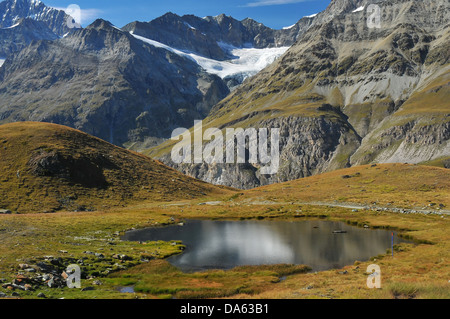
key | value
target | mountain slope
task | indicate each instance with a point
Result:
(48, 167)
(20, 35)
(107, 83)
(346, 95)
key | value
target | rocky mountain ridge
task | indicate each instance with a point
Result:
(204, 35)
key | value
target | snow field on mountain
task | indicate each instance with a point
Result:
(247, 61)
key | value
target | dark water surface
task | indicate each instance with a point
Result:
(227, 244)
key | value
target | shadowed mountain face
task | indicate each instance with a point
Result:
(107, 83)
(16, 38)
(346, 94)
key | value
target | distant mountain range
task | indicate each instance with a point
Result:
(129, 86)
(341, 93)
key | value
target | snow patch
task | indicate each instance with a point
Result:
(289, 27)
(1, 62)
(358, 9)
(312, 15)
(189, 26)
(11, 27)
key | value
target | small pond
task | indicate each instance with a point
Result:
(322, 245)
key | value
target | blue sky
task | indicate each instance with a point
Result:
(273, 13)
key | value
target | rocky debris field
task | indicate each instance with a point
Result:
(50, 272)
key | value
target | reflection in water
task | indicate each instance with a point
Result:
(227, 244)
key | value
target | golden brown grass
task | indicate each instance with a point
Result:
(395, 185)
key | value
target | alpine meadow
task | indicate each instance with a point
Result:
(191, 157)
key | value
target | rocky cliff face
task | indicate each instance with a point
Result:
(385, 91)
(105, 82)
(308, 146)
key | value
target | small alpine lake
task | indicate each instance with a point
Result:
(322, 245)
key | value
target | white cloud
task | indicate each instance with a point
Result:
(262, 3)
(85, 15)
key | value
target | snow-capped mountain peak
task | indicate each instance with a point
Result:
(11, 11)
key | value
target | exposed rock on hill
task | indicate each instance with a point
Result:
(47, 167)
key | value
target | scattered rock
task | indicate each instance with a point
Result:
(5, 212)
(41, 295)
(121, 257)
(87, 289)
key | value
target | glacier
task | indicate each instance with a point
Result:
(245, 63)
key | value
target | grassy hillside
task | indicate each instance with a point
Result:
(47, 167)
(396, 185)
